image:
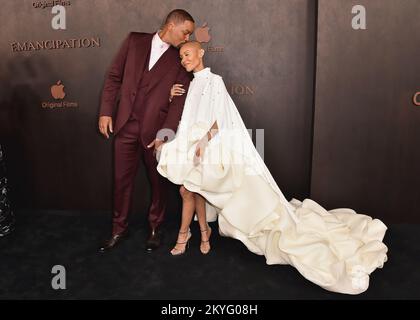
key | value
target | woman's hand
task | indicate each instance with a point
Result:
(199, 150)
(176, 90)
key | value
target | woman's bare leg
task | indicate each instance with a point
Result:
(188, 208)
(200, 207)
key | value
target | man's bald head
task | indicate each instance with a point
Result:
(178, 16)
(178, 27)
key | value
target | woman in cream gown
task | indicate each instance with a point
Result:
(335, 249)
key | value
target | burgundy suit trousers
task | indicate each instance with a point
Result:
(128, 151)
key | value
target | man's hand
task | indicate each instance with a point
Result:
(105, 123)
(157, 143)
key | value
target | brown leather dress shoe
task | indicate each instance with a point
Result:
(111, 243)
(154, 240)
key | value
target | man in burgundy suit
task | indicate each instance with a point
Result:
(141, 77)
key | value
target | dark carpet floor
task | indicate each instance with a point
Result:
(44, 239)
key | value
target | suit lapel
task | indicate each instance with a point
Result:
(165, 63)
(143, 48)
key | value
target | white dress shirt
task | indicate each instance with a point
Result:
(158, 49)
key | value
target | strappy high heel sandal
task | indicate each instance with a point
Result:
(206, 251)
(178, 252)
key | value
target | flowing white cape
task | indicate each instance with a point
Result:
(335, 249)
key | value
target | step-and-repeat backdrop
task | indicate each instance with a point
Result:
(347, 137)
(367, 111)
(52, 68)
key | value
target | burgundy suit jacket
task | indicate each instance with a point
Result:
(122, 81)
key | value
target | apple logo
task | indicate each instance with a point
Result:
(57, 90)
(202, 33)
